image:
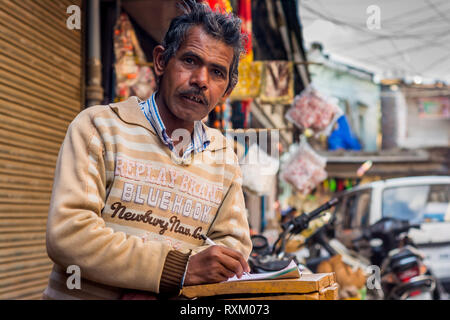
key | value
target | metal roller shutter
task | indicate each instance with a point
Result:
(40, 93)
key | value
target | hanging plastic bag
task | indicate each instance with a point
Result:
(313, 110)
(258, 170)
(305, 169)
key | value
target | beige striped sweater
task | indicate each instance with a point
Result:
(128, 212)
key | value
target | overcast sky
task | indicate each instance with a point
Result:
(413, 38)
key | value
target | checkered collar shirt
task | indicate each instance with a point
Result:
(199, 140)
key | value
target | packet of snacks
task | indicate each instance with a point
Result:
(313, 110)
(304, 169)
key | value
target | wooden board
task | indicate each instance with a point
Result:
(308, 283)
(306, 296)
(329, 293)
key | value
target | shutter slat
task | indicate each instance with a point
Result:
(30, 96)
(31, 130)
(41, 70)
(21, 140)
(30, 33)
(40, 89)
(22, 111)
(21, 237)
(30, 60)
(33, 20)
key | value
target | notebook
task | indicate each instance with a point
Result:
(290, 272)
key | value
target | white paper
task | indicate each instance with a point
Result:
(266, 275)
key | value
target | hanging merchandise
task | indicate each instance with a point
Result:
(258, 170)
(340, 185)
(277, 82)
(245, 14)
(305, 169)
(333, 186)
(237, 115)
(220, 116)
(220, 5)
(249, 84)
(250, 72)
(215, 117)
(342, 136)
(133, 76)
(313, 110)
(226, 115)
(246, 108)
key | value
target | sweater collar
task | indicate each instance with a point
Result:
(130, 112)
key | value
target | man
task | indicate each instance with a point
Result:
(131, 199)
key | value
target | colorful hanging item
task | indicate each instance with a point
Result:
(246, 108)
(245, 14)
(134, 77)
(333, 186)
(313, 110)
(305, 169)
(226, 115)
(277, 82)
(220, 5)
(249, 84)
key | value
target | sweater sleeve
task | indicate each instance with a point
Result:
(77, 234)
(230, 227)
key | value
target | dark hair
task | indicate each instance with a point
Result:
(222, 26)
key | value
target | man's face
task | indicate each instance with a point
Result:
(196, 77)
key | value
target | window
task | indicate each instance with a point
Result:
(422, 203)
(356, 210)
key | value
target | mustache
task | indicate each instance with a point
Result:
(195, 92)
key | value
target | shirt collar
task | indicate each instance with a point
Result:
(199, 141)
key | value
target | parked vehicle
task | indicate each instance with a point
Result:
(266, 258)
(386, 245)
(403, 274)
(419, 200)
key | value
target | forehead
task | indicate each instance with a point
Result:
(210, 49)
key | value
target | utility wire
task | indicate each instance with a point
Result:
(445, 18)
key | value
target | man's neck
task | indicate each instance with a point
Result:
(171, 122)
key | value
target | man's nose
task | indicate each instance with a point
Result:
(200, 78)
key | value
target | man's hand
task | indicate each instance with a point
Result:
(215, 264)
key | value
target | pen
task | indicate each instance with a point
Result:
(209, 241)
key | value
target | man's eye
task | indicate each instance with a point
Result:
(189, 60)
(218, 73)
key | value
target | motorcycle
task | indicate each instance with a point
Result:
(266, 258)
(403, 274)
(402, 271)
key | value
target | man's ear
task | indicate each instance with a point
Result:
(158, 60)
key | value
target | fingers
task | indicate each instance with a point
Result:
(215, 264)
(226, 273)
(237, 256)
(230, 259)
(234, 266)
